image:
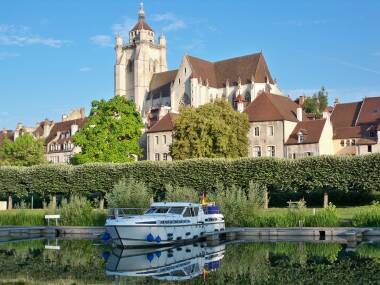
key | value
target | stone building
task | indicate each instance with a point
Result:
(141, 75)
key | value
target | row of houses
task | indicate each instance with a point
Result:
(280, 128)
(57, 136)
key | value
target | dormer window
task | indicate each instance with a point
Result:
(301, 137)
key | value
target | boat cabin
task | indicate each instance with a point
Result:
(183, 209)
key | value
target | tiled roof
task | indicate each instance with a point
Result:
(160, 83)
(64, 127)
(354, 120)
(7, 134)
(369, 112)
(344, 115)
(141, 24)
(349, 132)
(311, 130)
(166, 124)
(270, 107)
(366, 141)
(234, 69)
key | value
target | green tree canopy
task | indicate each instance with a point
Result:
(317, 103)
(111, 133)
(212, 130)
(24, 151)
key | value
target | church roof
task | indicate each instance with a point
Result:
(234, 69)
(312, 131)
(271, 107)
(160, 83)
(141, 25)
(166, 124)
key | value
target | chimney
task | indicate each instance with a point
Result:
(301, 100)
(299, 114)
(82, 113)
(336, 101)
(326, 114)
(74, 129)
(47, 128)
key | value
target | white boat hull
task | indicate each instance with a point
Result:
(156, 235)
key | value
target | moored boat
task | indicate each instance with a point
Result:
(164, 223)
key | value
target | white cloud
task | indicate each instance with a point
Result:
(102, 40)
(85, 69)
(172, 23)
(21, 36)
(301, 23)
(5, 55)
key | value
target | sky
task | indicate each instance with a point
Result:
(57, 55)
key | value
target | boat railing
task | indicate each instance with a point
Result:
(114, 213)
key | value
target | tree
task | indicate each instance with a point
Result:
(317, 103)
(111, 133)
(24, 151)
(212, 130)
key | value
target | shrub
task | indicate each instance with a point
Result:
(129, 193)
(76, 211)
(180, 194)
(368, 217)
(344, 176)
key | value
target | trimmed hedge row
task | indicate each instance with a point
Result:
(358, 174)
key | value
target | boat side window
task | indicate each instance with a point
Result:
(176, 210)
(162, 210)
(196, 211)
(150, 211)
(187, 213)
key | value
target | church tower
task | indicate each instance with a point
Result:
(137, 60)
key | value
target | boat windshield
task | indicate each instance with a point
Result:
(162, 210)
(176, 210)
(151, 211)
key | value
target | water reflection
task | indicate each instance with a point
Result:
(62, 261)
(170, 264)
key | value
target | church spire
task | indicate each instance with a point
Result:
(141, 11)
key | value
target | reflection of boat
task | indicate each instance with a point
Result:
(164, 223)
(170, 263)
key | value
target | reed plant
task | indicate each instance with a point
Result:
(180, 194)
(369, 216)
(22, 217)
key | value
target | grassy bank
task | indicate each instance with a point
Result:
(272, 217)
(36, 217)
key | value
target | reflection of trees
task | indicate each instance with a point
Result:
(79, 262)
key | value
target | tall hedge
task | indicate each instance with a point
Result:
(326, 173)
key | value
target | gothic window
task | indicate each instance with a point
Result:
(130, 66)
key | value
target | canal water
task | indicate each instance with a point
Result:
(58, 261)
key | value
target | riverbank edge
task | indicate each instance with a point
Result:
(321, 232)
